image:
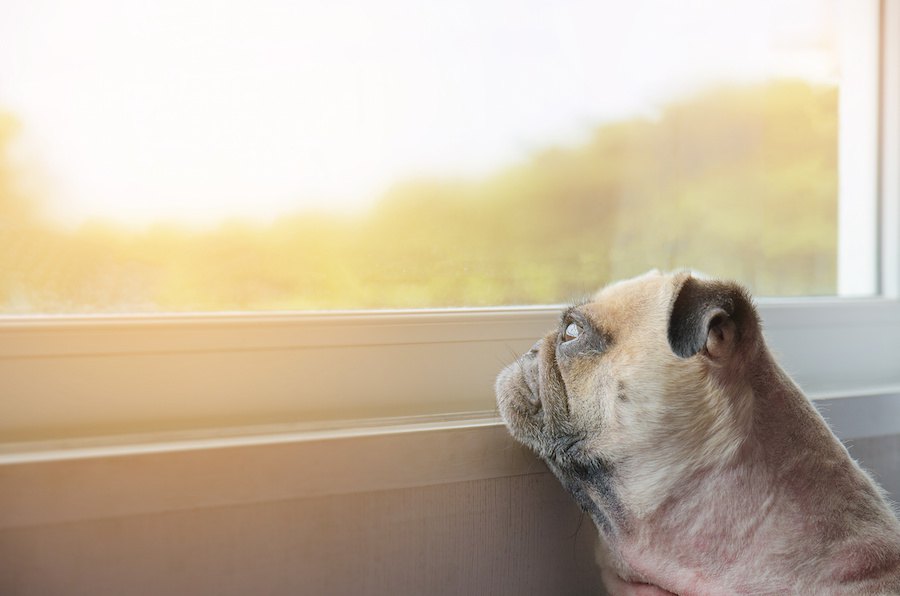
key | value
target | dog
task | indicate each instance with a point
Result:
(704, 467)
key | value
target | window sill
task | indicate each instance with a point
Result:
(48, 484)
(74, 377)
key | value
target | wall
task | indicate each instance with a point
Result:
(517, 535)
(880, 456)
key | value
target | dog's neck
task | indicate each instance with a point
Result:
(770, 516)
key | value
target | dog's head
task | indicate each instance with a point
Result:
(635, 388)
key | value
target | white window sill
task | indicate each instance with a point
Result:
(65, 378)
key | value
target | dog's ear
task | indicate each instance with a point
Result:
(710, 317)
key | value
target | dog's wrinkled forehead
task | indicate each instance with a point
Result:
(633, 303)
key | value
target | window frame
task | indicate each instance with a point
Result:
(71, 377)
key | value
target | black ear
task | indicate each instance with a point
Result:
(714, 316)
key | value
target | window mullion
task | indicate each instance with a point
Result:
(889, 195)
(858, 148)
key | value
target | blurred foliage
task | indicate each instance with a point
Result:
(737, 182)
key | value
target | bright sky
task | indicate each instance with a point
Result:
(202, 109)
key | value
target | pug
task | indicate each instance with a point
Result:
(704, 467)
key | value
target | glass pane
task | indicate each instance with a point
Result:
(193, 156)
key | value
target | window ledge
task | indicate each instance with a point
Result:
(71, 377)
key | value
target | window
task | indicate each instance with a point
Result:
(71, 375)
(189, 156)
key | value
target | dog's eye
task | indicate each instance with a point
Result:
(572, 331)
